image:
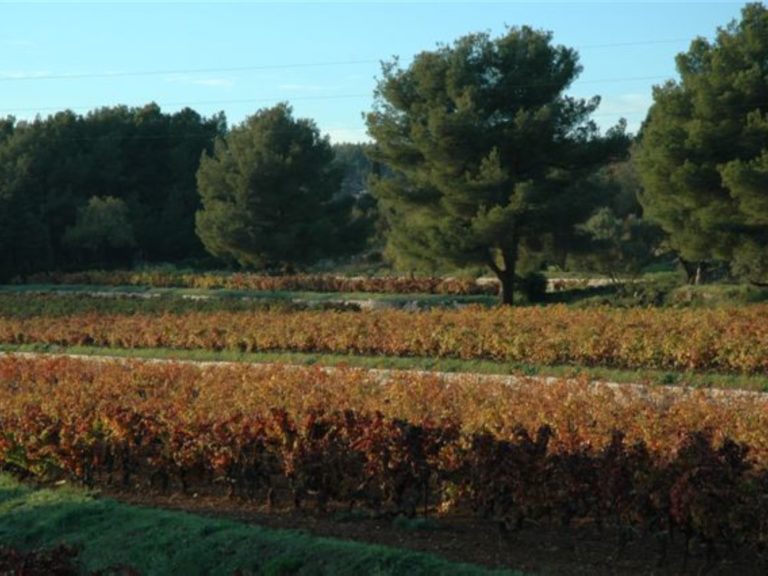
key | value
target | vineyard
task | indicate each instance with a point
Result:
(680, 472)
(494, 328)
(656, 463)
(12, 306)
(255, 282)
(731, 340)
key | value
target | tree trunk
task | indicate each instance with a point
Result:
(690, 270)
(506, 275)
(507, 287)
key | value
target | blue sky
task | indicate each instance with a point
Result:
(322, 57)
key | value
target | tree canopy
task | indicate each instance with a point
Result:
(617, 240)
(270, 194)
(50, 169)
(103, 234)
(488, 155)
(704, 149)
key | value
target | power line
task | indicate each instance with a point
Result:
(256, 67)
(328, 96)
(749, 106)
(198, 103)
(353, 96)
(604, 81)
(637, 43)
(598, 113)
(358, 128)
(88, 75)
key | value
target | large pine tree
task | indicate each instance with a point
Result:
(487, 155)
(704, 149)
(270, 194)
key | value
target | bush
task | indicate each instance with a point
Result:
(534, 286)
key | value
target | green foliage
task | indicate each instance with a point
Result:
(25, 305)
(534, 286)
(704, 151)
(172, 542)
(269, 194)
(618, 246)
(356, 168)
(487, 154)
(50, 168)
(103, 230)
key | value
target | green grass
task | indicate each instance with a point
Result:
(652, 377)
(658, 290)
(662, 292)
(424, 300)
(170, 542)
(714, 295)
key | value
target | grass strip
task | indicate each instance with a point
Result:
(157, 541)
(651, 377)
(278, 295)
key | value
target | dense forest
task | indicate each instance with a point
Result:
(111, 187)
(116, 188)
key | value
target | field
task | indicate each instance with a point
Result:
(564, 440)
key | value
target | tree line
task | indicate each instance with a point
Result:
(479, 157)
(112, 186)
(119, 186)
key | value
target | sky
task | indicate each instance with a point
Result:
(321, 57)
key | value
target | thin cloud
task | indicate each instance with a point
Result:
(306, 88)
(23, 74)
(195, 81)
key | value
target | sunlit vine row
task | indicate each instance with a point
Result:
(727, 340)
(578, 412)
(404, 443)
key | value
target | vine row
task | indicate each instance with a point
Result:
(724, 340)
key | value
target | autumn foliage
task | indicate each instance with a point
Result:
(724, 340)
(660, 462)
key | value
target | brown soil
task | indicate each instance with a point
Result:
(541, 549)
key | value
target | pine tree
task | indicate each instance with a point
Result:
(704, 150)
(269, 194)
(485, 151)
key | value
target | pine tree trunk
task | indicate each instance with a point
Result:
(507, 288)
(506, 275)
(690, 270)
